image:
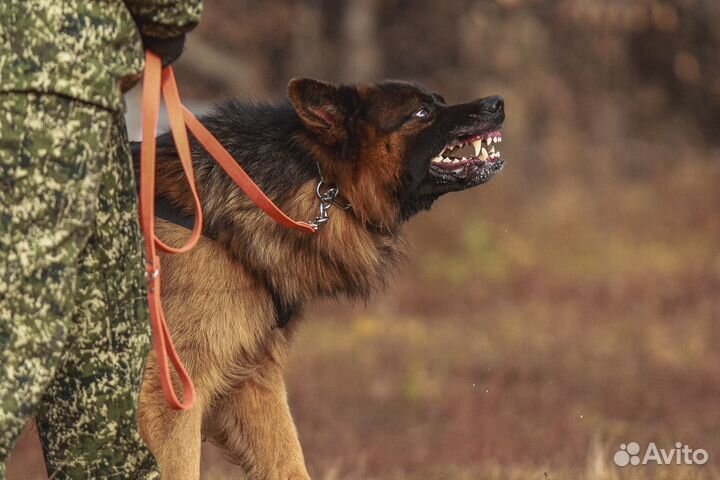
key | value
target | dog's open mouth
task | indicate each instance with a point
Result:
(473, 159)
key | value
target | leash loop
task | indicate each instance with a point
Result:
(154, 80)
(157, 80)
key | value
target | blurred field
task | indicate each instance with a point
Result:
(570, 305)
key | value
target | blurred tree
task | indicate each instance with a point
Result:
(361, 40)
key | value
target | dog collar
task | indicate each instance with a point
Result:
(328, 197)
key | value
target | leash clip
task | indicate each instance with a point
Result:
(155, 274)
(327, 199)
(152, 273)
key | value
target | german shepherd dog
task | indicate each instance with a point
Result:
(391, 149)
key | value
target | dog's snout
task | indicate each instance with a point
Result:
(494, 104)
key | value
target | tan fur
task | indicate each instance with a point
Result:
(223, 325)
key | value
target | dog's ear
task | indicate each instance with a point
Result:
(323, 107)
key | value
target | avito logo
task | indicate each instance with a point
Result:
(629, 454)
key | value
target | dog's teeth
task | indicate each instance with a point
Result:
(483, 154)
(498, 139)
(447, 160)
(492, 149)
(477, 145)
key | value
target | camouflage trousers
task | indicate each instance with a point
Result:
(73, 319)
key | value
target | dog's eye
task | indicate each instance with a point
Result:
(423, 113)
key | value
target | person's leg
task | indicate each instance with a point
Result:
(88, 420)
(48, 192)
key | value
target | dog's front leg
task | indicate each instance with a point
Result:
(173, 436)
(254, 425)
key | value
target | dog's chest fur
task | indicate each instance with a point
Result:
(233, 301)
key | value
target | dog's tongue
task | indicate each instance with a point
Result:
(461, 151)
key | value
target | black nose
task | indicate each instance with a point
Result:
(494, 104)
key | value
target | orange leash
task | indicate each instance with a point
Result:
(155, 80)
(241, 179)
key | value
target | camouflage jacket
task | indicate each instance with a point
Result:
(83, 49)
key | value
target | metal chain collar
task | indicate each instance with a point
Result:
(327, 199)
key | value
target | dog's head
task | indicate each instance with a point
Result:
(394, 147)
